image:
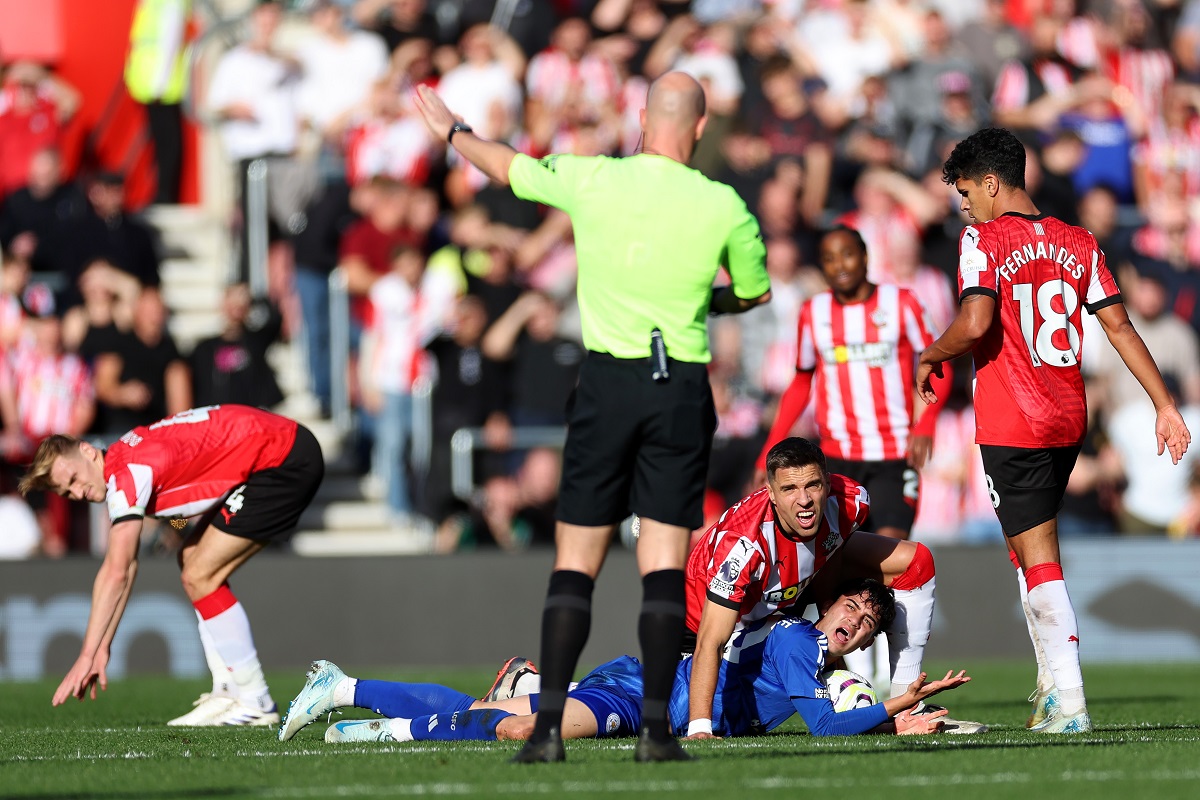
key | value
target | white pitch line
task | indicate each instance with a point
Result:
(693, 786)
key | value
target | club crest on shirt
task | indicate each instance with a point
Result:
(612, 723)
(879, 317)
(178, 523)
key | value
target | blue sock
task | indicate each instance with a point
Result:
(461, 726)
(408, 700)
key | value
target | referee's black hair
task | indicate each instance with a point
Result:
(995, 151)
(793, 453)
(851, 232)
(878, 595)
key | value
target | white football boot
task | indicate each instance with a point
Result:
(1061, 723)
(1045, 704)
(315, 699)
(360, 730)
(243, 714)
(950, 724)
(205, 708)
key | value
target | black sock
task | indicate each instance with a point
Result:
(566, 621)
(660, 631)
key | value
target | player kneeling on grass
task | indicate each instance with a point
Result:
(780, 676)
(258, 469)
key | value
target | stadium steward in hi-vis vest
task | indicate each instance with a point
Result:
(1024, 280)
(651, 235)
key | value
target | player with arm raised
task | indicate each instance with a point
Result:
(1024, 280)
(248, 473)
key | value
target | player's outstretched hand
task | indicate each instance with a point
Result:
(697, 736)
(437, 116)
(84, 675)
(926, 369)
(1172, 432)
(919, 690)
(909, 724)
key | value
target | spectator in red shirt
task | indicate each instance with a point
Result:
(34, 106)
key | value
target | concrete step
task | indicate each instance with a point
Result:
(182, 298)
(345, 515)
(361, 543)
(186, 272)
(190, 326)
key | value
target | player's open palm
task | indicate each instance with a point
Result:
(1172, 433)
(920, 690)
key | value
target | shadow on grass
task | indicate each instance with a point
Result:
(1015, 739)
(1094, 701)
(134, 794)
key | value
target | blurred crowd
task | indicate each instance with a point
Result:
(822, 112)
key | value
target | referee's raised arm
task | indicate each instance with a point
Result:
(651, 235)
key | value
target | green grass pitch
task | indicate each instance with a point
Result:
(1147, 744)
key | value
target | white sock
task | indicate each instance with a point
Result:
(343, 692)
(220, 673)
(862, 662)
(1045, 681)
(529, 683)
(883, 662)
(910, 633)
(1058, 632)
(401, 729)
(231, 637)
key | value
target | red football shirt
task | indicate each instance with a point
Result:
(745, 562)
(1042, 272)
(184, 464)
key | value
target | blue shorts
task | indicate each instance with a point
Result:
(613, 693)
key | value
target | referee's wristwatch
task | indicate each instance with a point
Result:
(458, 127)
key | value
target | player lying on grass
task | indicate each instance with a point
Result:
(791, 543)
(777, 677)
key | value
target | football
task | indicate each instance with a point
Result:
(849, 690)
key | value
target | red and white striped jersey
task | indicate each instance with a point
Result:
(1014, 88)
(744, 562)
(864, 355)
(555, 80)
(395, 148)
(48, 389)
(1042, 272)
(183, 465)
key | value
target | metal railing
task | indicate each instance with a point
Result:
(466, 441)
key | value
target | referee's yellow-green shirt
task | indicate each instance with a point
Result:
(650, 236)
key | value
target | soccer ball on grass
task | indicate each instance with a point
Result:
(848, 690)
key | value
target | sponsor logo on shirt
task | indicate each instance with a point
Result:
(876, 354)
(131, 439)
(718, 586)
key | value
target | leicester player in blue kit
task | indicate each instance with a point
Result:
(776, 676)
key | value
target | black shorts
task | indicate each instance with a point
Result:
(634, 445)
(269, 504)
(893, 485)
(1027, 484)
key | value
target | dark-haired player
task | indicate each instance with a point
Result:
(1024, 279)
(857, 350)
(796, 539)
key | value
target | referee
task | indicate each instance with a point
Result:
(650, 235)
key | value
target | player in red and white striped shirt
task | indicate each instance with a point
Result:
(795, 535)
(858, 345)
(1024, 279)
(249, 473)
